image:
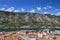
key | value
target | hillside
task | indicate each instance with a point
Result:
(11, 19)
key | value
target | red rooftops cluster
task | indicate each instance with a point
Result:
(26, 35)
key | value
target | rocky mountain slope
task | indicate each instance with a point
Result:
(11, 19)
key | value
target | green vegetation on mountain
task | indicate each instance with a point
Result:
(18, 19)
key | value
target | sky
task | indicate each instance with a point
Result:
(35, 6)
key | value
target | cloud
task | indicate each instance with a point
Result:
(38, 8)
(57, 10)
(45, 7)
(52, 14)
(58, 13)
(16, 10)
(32, 10)
(49, 6)
(45, 12)
(10, 9)
(22, 9)
(48, 13)
(2, 8)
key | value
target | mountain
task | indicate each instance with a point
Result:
(18, 19)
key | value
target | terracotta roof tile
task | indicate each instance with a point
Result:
(58, 38)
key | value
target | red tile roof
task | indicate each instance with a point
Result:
(58, 38)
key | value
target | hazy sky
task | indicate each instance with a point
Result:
(38, 6)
